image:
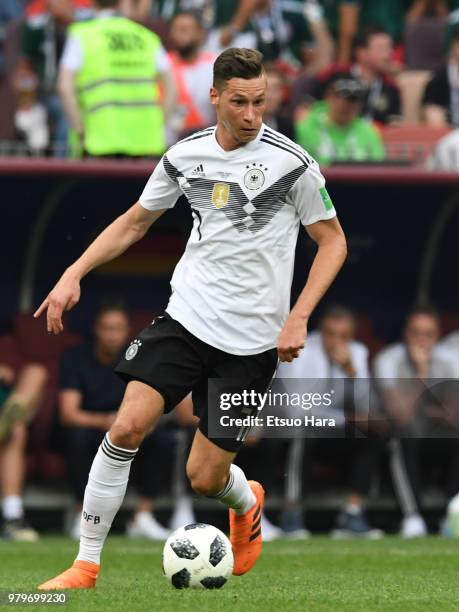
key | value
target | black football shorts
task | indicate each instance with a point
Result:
(174, 362)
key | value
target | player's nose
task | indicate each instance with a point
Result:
(249, 114)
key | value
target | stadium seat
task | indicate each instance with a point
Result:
(366, 334)
(29, 342)
(411, 142)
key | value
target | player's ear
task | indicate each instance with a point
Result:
(214, 96)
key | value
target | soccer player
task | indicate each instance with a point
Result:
(249, 189)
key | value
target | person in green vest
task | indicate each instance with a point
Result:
(109, 81)
(333, 131)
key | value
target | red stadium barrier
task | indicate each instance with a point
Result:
(13, 166)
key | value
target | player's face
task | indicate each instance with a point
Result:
(336, 332)
(240, 107)
(112, 331)
(422, 330)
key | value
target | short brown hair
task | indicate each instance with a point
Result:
(239, 64)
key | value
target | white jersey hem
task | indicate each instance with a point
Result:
(211, 342)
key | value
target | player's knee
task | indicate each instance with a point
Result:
(126, 433)
(204, 481)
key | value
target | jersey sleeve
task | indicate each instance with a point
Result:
(162, 190)
(310, 197)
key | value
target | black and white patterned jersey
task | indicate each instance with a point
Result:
(231, 288)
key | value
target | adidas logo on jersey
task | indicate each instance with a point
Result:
(199, 171)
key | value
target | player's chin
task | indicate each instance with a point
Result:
(247, 135)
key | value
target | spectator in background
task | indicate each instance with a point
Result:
(332, 353)
(293, 32)
(166, 9)
(19, 400)
(226, 20)
(333, 131)
(139, 10)
(231, 24)
(9, 10)
(276, 115)
(108, 78)
(446, 153)
(372, 52)
(417, 357)
(451, 342)
(192, 69)
(340, 16)
(90, 393)
(42, 41)
(347, 17)
(440, 102)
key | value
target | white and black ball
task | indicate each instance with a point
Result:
(198, 556)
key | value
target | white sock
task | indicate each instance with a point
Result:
(12, 508)
(237, 493)
(103, 497)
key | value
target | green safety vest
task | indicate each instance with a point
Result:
(116, 87)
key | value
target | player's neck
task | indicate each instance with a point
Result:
(224, 138)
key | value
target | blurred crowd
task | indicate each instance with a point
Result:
(409, 428)
(350, 80)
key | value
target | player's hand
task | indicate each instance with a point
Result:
(292, 338)
(63, 297)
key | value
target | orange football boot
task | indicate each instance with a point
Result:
(82, 575)
(245, 532)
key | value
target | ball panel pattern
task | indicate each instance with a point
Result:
(184, 549)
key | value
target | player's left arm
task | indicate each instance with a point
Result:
(330, 256)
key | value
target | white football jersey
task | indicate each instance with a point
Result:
(231, 288)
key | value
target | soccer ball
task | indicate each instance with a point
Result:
(198, 556)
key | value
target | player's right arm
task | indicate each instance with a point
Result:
(114, 240)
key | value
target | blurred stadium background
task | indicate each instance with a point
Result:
(392, 171)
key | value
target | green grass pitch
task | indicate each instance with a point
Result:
(316, 574)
